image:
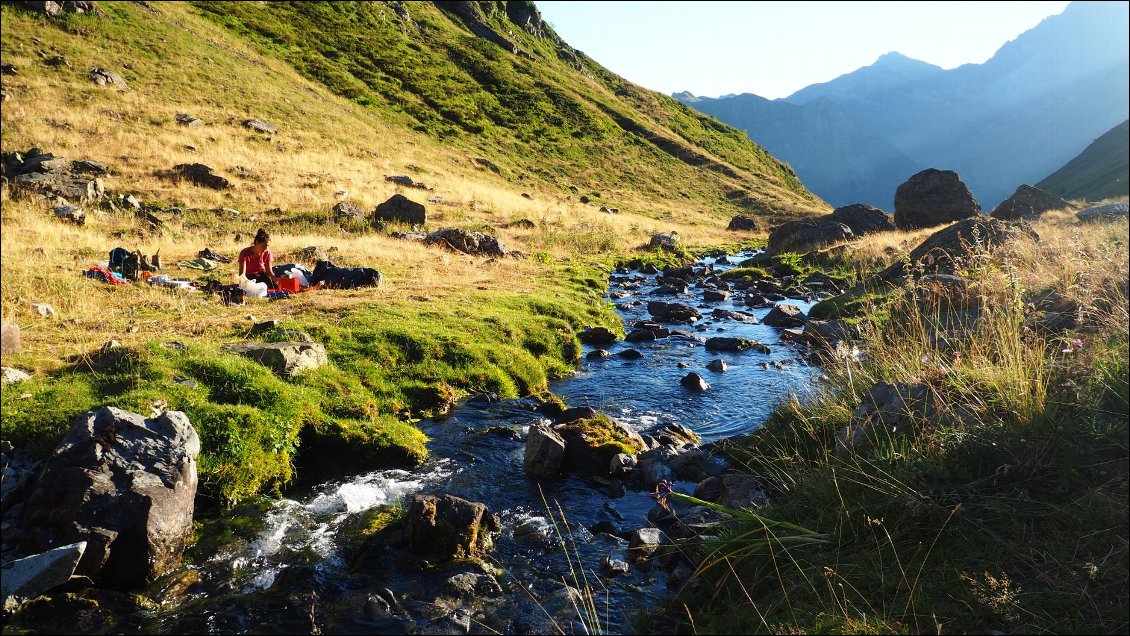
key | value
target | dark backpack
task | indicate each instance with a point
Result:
(118, 256)
(231, 295)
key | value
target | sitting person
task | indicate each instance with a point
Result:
(255, 261)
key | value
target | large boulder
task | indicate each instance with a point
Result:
(664, 241)
(933, 197)
(400, 209)
(744, 224)
(448, 527)
(942, 250)
(545, 452)
(807, 235)
(125, 485)
(468, 242)
(1028, 203)
(863, 219)
(286, 359)
(590, 444)
(785, 316)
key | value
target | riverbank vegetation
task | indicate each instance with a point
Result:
(998, 501)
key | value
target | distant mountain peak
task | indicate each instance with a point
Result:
(889, 70)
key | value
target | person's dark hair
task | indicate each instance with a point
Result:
(262, 237)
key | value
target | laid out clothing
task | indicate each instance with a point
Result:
(345, 277)
(252, 264)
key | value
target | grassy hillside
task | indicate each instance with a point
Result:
(1101, 171)
(492, 79)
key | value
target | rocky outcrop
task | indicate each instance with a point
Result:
(400, 209)
(345, 211)
(286, 359)
(807, 235)
(446, 527)
(201, 175)
(933, 197)
(941, 251)
(468, 242)
(1028, 203)
(45, 174)
(896, 407)
(102, 77)
(125, 485)
(260, 126)
(863, 219)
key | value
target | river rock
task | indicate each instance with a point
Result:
(469, 586)
(31, 576)
(694, 382)
(448, 527)
(644, 542)
(715, 295)
(576, 413)
(286, 359)
(730, 314)
(597, 336)
(468, 242)
(630, 354)
(622, 464)
(1028, 203)
(400, 209)
(806, 235)
(933, 197)
(785, 316)
(545, 452)
(673, 312)
(717, 365)
(612, 567)
(734, 344)
(598, 354)
(125, 485)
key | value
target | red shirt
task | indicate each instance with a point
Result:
(250, 264)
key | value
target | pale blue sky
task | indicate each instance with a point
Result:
(776, 48)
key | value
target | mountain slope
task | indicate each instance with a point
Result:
(494, 79)
(830, 151)
(890, 71)
(1099, 172)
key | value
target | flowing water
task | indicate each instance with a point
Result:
(299, 573)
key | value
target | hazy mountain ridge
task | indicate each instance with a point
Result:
(1026, 111)
(1097, 173)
